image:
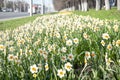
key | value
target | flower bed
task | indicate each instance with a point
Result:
(66, 47)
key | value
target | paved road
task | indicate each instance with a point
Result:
(11, 15)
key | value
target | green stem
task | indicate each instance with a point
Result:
(82, 70)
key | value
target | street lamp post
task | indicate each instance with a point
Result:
(31, 3)
(13, 5)
(43, 7)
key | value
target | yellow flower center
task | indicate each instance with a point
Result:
(70, 57)
(41, 51)
(61, 73)
(92, 54)
(86, 54)
(1, 47)
(16, 58)
(34, 75)
(106, 36)
(118, 42)
(33, 69)
(68, 66)
(76, 40)
(102, 42)
(63, 58)
(11, 57)
(109, 47)
(46, 66)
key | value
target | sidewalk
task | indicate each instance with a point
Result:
(13, 18)
(12, 15)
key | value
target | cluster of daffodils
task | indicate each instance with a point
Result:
(69, 57)
(88, 55)
(67, 67)
(109, 45)
(108, 61)
(11, 57)
(34, 69)
(49, 46)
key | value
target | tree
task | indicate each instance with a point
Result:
(98, 5)
(59, 4)
(79, 5)
(84, 5)
(9, 4)
(1, 3)
(118, 5)
(107, 5)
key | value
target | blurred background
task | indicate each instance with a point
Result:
(24, 6)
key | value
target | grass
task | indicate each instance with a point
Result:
(112, 14)
(11, 24)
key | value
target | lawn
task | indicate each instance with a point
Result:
(11, 24)
(112, 14)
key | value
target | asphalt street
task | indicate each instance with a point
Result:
(12, 15)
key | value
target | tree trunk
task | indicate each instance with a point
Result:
(84, 5)
(98, 5)
(79, 5)
(94, 4)
(107, 5)
(58, 4)
(73, 7)
(118, 5)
